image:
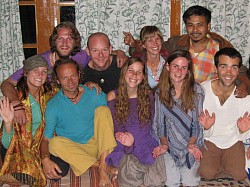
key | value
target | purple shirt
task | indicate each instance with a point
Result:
(144, 143)
(81, 58)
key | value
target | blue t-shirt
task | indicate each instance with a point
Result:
(73, 121)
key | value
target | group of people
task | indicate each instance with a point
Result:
(167, 115)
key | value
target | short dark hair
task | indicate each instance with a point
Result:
(63, 61)
(197, 11)
(74, 34)
(227, 51)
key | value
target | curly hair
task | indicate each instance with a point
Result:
(166, 88)
(74, 35)
(122, 99)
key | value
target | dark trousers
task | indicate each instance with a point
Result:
(64, 166)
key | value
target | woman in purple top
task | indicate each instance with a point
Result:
(132, 108)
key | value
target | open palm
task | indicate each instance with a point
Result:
(6, 110)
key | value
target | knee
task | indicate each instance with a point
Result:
(102, 110)
(55, 143)
(209, 172)
(239, 175)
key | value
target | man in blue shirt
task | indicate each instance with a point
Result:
(83, 126)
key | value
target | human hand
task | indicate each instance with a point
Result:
(206, 120)
(194, 150)
(243, 123)
(90, 85)
(125, 138)
(129, 39)
(241, 90)
(51, 169)
(19, 112)
(159, 150)
(6, 110)
(121, 58)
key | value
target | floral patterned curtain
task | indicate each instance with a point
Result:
(11, 49)
(230, 19)
(115, 16)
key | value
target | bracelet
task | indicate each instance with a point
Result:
(16, 109)
(44, 155)
(20, 104)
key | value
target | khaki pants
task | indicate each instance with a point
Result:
(81, 156)
(215, 161)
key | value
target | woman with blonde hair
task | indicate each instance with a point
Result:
(151, 39)
(132, 108)
(179, 102)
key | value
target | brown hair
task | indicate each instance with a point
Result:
(122, 99)
(166, 89)
(74, 35)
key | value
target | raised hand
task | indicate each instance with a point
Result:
(243, 123)
(194, 150)
(206, 120)
(128, 39)
(7, 113)
(125, 138)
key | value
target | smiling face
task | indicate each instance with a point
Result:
(64, 42)
(178, 70)
(228, 70)
(68, 78)
(197, 28)
(99, 50)
(134, 75)
(36, 77)
(152, 44)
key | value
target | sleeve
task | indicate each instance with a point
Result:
(159, 122)
(50, 121)
(6, 138)
(197, 129)
(81, 58)
(119, 128)
(17, 75)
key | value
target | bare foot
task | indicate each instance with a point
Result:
(113, 171)
(104, 179)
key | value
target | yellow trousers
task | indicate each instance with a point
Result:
(81, 156)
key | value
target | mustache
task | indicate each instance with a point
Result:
(195, 33)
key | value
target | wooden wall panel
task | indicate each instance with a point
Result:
(46, 14)
(175, 18)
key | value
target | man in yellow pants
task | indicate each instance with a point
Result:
(83, 125)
